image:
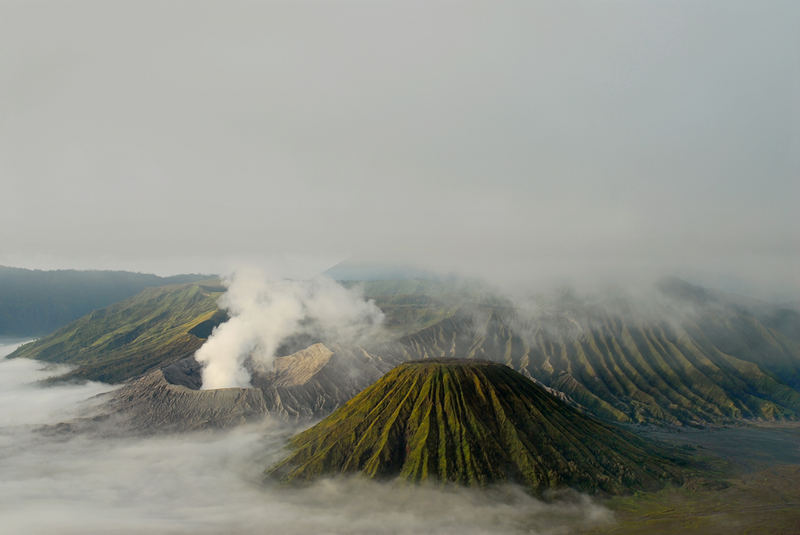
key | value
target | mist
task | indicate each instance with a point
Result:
(211, 482)
(516, 141)
(264, 312)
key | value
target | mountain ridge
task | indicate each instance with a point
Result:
(35, 302)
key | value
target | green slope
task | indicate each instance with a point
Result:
(474, 423)
(629, 372)
(34, 302)
(124, 340)
(719, 362)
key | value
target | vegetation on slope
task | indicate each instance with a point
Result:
(720, 362)
(154, 328)
(760, 492)
(474, 423)
(34, 302)
(414, 304)
(624, 372)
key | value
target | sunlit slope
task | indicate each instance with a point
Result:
(474, 423)
(156, 327)
(715, 365)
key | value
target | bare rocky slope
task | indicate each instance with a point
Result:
(153, 403)
(309, 383)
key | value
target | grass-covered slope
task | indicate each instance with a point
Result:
(626, 371)
(711, 361)
(474, 423)
(35, 302)
(124, 340)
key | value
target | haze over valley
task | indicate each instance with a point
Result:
(209, 482)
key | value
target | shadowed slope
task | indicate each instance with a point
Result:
(474, 423)
(35, 302)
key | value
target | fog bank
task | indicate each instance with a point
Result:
(210, 483)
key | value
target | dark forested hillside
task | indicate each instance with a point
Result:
(34, 302)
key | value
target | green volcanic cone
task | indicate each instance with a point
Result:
(474, 423)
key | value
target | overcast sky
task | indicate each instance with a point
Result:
(507, 138)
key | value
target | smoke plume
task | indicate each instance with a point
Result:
(264, 313)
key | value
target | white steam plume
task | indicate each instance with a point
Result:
(264, 312)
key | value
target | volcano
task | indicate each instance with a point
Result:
(475, 423)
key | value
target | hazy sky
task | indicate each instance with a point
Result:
(509, 138)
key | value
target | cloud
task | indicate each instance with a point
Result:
(208, 483)
(26, 404)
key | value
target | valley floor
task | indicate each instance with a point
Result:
(762, 494)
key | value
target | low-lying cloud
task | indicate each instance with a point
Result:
(211, 483)
(264, 313)
(22, 402)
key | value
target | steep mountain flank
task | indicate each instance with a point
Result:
(716, 362)
(35, 302)
(125, 340)
(474, 423)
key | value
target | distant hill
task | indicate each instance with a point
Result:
(156, 327)
(34, 302)
(351, 270)
(475, 423)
